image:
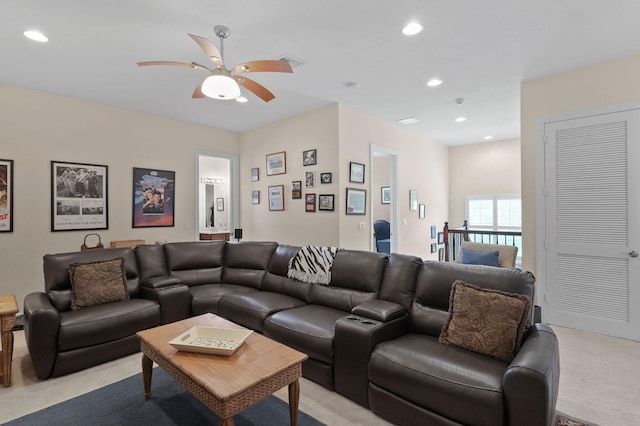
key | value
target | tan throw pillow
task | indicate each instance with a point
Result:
(95, 283)
(490, 322)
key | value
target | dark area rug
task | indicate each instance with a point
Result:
(565, 420)
(123, 403)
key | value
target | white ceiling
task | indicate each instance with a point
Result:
(482, 50)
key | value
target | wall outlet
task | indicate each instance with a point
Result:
(361, 226)
(404, 222)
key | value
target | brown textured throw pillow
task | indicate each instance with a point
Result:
(95, 283)
(490, 322)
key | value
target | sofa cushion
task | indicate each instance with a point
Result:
(95, 283)
(487, 321)
(206, 297)
(251, 309)
(105, 323)
(487, 258)
(309, 329)
(459, 385)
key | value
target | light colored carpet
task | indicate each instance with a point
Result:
(599, 382)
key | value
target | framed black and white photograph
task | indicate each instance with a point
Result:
(78, 196)
(153, 198)
(296, 189)
(356, 201)
(277, 163)
(220, 204)
(326, 177)
(255, 197)
(6, 195)
(433, 231)
(325, 202)
(440, 237)
(310, 179)
(441, 254)
(413, 200)
(421, 211)
(434, 248)
(310, 202)
(309, 158)
(255, 174)
(356, 172)
(385, 195)
(276, 197)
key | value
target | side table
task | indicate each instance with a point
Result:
(8, 311)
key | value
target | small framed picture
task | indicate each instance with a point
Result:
(325, 202)
(356, 201)
(310, 179)
(434, 248)
(356, 172)
(296, 189)
(421, 211)
(276, 197)
(255, 174)
(309, 158)
(220, 204)
(433, 231)
(6, 195)
(255, 197)
(310, 202)
(385, 195)
(413, 200)
(441, 254)
(325, 177)
(277, 163)
(440, 237)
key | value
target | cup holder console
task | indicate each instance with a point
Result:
(363, 321)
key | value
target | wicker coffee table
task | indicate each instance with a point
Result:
(225, 384)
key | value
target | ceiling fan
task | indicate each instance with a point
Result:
(223, 83)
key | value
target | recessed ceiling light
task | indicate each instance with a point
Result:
(460, 119)
(36, 36)
(412, 28)
(434, 82)
(242, 99)
(486, 138)
(408, 120)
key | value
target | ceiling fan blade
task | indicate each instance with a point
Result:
(209, 49)
(263, 66)
(197, 93)
(173, 63)
(257, 89)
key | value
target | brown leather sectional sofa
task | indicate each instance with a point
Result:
(371, 334)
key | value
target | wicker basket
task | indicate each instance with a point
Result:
(126, 243)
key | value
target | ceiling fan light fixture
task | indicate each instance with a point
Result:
(220, 86)
(242, 99)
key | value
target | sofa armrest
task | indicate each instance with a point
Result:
(172, 296)
(161, 282)
(41, 326)
(531, 381)
(380, 310)
(355, 339)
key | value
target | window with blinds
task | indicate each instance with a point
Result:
(496, 212)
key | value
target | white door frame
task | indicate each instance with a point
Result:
(234, 187)
(393, 184)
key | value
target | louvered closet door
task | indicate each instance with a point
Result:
(592, 189)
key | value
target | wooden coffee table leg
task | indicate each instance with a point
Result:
(147, 370)
(7, 355)
(294, 399)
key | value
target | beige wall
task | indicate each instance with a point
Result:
(610, 83)
(423, 166)
(313, 130)
(37, 127)
(483, 168)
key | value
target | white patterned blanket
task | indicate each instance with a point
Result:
(312, 264)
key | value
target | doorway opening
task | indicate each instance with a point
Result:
(216, 195)
(383, 202)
